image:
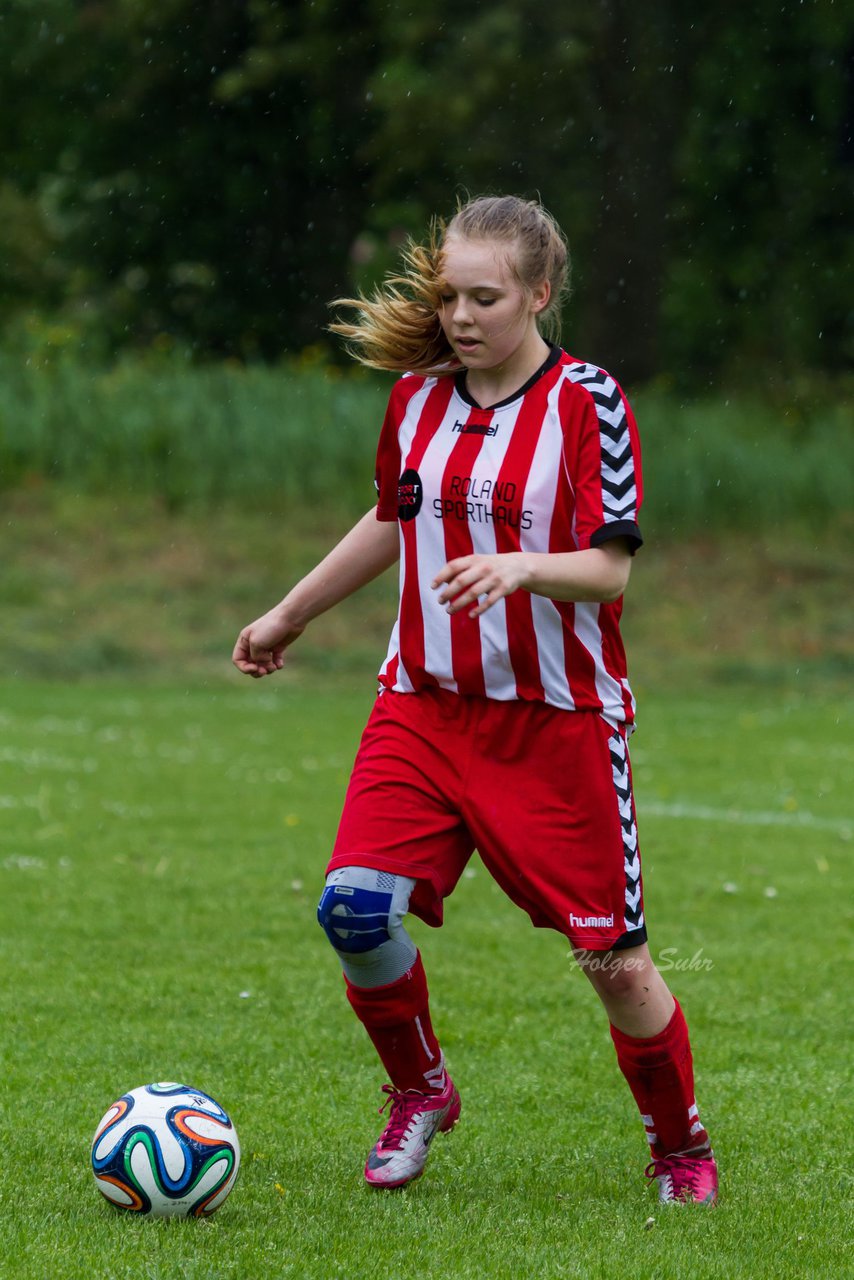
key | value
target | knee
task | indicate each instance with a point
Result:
(352, 918)
(618, 975)
(361, 909)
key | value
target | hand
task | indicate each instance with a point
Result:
(492, 577)
(261, 646)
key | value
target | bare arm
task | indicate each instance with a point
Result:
(364, 553)
(598, 574)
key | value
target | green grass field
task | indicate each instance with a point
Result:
(162, 852)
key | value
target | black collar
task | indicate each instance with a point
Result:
(550, 361)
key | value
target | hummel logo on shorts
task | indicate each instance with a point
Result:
(591, 922)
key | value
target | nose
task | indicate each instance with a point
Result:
(462, 311)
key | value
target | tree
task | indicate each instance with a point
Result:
(760, 275)
(217, 172)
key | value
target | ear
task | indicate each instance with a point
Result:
(540, 296)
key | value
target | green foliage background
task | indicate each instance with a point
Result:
(210, 175)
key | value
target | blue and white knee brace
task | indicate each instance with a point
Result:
(361, 912)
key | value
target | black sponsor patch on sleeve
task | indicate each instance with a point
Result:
(410, 495)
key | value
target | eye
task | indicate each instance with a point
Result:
(486, 302)
(446, 297)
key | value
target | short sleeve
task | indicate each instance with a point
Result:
(387, 472)
(606, 471)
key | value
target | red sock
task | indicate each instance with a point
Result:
(397, 1018)
(660, 1074)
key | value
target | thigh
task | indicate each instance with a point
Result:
(402, 808)
(552, 813)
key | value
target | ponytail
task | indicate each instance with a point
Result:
(398, 327)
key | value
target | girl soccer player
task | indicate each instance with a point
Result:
(509, 484)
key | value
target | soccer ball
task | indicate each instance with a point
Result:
(166, 1150)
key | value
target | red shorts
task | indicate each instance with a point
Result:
(542, 793)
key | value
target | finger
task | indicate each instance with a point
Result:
(483, 596)
(254, 664)
(452, 592)
(450, 570)
(462, 601)
(248, 668)
(472, 595)
(241, 649)
(458, 584)
(498, 593)
(262, 656)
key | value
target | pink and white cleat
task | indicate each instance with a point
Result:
(404, 1144)
(685, 1178)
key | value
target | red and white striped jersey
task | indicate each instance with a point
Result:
(555, 467)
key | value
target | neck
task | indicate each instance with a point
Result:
(490, 386)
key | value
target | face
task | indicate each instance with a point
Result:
(486, 315)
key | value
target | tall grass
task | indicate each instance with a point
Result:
(280, 437)
(737, 463)
(303, 437)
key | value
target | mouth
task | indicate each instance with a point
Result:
(467, 345)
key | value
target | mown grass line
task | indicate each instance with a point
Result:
(162, 851)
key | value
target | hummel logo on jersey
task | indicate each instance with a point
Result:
(591, 922)
(475, 429)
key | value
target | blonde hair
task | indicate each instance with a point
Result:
(398, 327)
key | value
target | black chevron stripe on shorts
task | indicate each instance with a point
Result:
(631, 852)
